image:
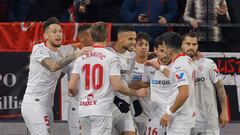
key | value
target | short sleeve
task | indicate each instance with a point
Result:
(39, 53)
(67, 50)
(145, 76)
(181, 78)
(214, 73)
(76, 67)
(115, 67)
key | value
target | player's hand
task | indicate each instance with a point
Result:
(155, 64)
(194, 23)
(152, 63)
(83, 51)
(165, 120)
(143, 18)
(223, 119)
(122, 105)
(137, 107)
(162, 20)
(143, 92)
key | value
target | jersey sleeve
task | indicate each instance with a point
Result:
(40, 53)
(67, 50)
(76, 67)
(115, 67)
(181, 77)
(214, 73)
(145, 76)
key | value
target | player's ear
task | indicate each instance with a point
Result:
(45, 36)
(155, 50)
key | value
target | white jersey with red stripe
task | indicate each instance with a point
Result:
(145, 102)
(95, 91)
(42, 82)
(127, 61)
(182, 73)
(159, 86)
(207, 75)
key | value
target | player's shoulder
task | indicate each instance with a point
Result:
(208, 62)
(109, 52)
(38, 48)
(129, 54)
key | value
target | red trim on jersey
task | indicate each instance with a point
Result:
(159, 62)
(98, 46)
(179, 55)
(113, 47)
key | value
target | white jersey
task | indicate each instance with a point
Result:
(207, 75)
(145, 102)
(159, 86)
(127, 61)
(42, 82)
(95, 91)
(182, 73)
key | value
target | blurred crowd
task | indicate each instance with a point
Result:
(194, 12)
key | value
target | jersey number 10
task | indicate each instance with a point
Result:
(97, 81)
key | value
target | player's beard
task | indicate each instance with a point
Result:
(191, 53)
(129, 48)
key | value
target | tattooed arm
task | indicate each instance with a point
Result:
(53, 65)
(223, 102)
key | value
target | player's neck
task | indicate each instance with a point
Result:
(141, 59)
(51, 47)
(176, 54)
(99, 44)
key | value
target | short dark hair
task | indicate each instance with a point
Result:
(99, 32)
(172, 39)
(191, 34)
(126, 28)
(143, 35)
(83, 27)
(158, 41)
(49, 21)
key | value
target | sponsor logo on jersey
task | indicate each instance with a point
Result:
(152, 72)
(90, 101)
(136, 77)
(200, 79)
(135, 68)
(179, 75)
(123, 71)
(160, 82)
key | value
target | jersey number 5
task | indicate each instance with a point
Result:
(96, 76)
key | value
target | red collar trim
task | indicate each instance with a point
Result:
(98, 46)
(159, 62)
(113, 47)
(179, 55)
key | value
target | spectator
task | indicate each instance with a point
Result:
(18, 10)
(207, 11)
(98, 10)
(41, 10)
(149, 11)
